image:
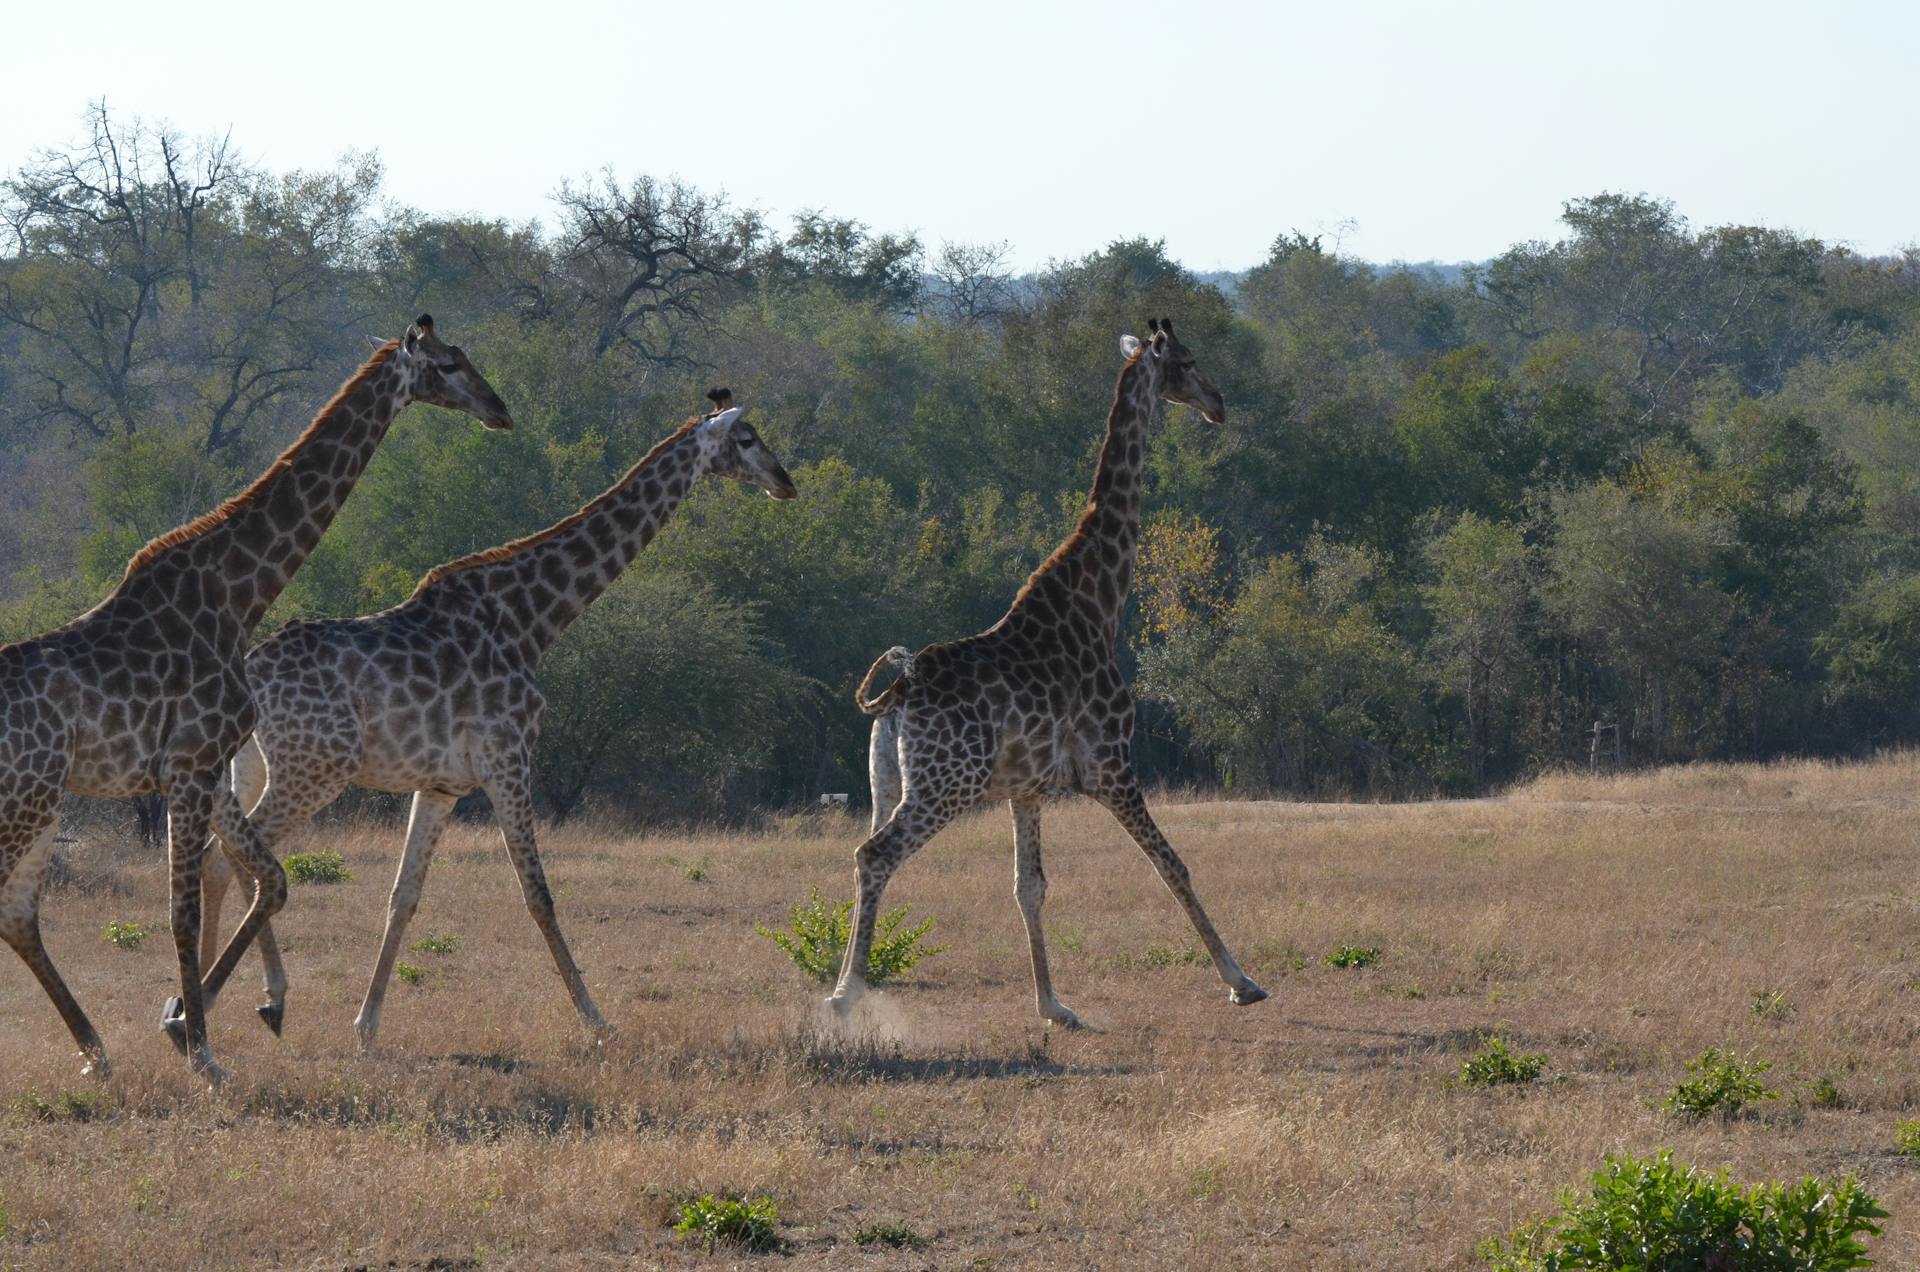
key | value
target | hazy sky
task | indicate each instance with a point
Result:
(1439, 130)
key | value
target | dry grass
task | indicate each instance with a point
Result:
(1618, 926)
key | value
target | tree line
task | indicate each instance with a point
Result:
(1649, 477)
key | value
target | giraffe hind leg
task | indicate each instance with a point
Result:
(424, 824)
(912, 824)
(20, 886)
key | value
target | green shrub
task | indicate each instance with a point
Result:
(898, 1235)
(1906, 1135)
(66, 1106)
(436, 943)
(409, 973)
(126, 936)
(1352, 956)
(1656, 1214)
(817, 940)
(1496, 1066)
(1771, 1004)
(749, 1225)
(1721, 1084)
(322, 866)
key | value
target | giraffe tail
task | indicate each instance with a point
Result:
(900, 658)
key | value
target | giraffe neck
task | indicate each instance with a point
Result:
(246, 551)
(536, 587)
(1090, 573)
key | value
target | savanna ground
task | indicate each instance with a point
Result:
(1619, 926)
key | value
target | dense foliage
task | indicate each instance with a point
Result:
(1652, 477)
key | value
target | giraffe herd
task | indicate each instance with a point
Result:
(154, 691)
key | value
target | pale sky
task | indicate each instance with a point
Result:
(1439, 130)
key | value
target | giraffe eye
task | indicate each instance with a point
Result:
(449, 368)
(746, 443)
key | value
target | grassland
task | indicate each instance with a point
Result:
(1617, 926)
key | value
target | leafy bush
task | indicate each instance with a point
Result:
(1722, 1084)
(817, 940)
(437, 943)
(1906, 1135)
(1496, 1066)
(126, 936)
(1656, 1214)
(65, 1106)
(890, 1233)
(322, 866)
(1771, 1004)
(749, 1225)
(409, 973)
(1352, 956)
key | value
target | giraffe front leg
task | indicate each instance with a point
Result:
(250, 852)
(1030, 888)
(189, 815)
(249, 787)
(424, 824)
(512, 795)
(1123, 799)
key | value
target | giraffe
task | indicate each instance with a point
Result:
(146, 692)
(437, 696)
(883, 750)
(1036, 703)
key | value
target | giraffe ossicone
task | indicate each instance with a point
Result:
(146, 692)
(437, 696)
(1035, 705)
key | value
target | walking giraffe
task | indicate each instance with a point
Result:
(1036, 703)
(146, 692)
(437, 695)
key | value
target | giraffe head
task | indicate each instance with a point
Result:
(1172, 371)
(440, 374)
(735, 450)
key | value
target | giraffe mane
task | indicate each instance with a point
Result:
(1079, 534)
(226, 511)
(488, 556)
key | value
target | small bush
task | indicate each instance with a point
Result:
(898, 1235)
(1721, 1084)
(1170, 955)
(1771, 1004)
(1352, 956)
(1906, 1136)
(66, 1106)
(695, 874)
(1656, 1214)
(817, 940)
(436, 943)
(409, 973)
(748, 1225)
(322, 866)
(1824, 1093)
(125, 936)
(1496, 1066)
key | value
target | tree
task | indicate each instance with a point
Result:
(646, 262)
(1638, 583)
(662, 689)
(1479, 599)
(972, 283)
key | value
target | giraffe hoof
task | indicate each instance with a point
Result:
(275, 1014)
(1246, 996)
(96, 1065)
(1066, 1020)
(840, 1004)
(173, 1020)
(211, 1073)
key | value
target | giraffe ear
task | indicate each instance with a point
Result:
(1129, 347)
